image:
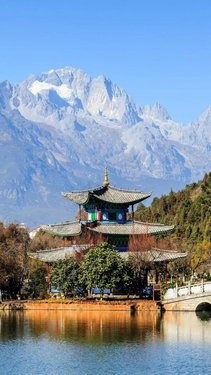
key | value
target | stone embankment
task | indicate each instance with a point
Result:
(12, 305)
(82, 305)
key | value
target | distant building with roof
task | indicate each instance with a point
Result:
(106, 213)
(106, 210)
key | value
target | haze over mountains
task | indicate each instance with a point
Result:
(59, 129)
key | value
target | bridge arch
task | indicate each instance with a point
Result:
(196, 297)
(203, 306)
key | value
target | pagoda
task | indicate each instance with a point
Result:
(107, 211)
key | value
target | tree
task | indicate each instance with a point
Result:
(37, 279)
(201, 256)
(180, 269)
(103, 267)
(43, 241)
(14, 243)
(141, 243)
(65, 275)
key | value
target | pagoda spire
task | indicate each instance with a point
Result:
(106, 182)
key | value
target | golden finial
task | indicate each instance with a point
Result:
(106, 182)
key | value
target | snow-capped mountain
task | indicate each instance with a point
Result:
(65, 93)
(59, 129)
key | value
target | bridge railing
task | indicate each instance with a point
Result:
(198, 288)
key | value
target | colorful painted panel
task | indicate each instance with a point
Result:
(91, 216)
(105, 216)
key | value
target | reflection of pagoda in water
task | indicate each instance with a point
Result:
(94, 327)
(106, 210)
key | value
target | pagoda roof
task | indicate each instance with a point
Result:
(74, 228)
(131, 228)
(52, 255)
(108, 194)
(153, 255)
(64, 229)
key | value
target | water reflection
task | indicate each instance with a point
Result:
(96, 328)
(93, 326)
(12, 325)
(204, 315)
(99, 343)
(183, 327)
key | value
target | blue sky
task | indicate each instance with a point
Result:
(155, 50)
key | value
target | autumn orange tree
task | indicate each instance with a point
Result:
(43, 241)
(200, 257)
(143, 257)
(14, 242)
(139, 246)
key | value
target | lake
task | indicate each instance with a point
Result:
(104, 343)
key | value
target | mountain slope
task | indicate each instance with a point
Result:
(189, 209)
(60, 128)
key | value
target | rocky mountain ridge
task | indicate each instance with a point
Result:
(59, 129)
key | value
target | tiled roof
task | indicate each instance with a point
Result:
(80, 197)
(155, 255)
(114, 195)
(63, 229)
(108, 194)
(132, 228)
(129, 228)
(52, 255)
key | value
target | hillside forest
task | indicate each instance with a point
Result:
(190, 211)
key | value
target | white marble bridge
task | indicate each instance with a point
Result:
(192, 297)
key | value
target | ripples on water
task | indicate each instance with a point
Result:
(110, 343)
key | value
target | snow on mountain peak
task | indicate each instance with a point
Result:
(93, 121)
(205, 117)
(63, 90)
(108, 100)
(156, 111)
(97, 97)
(6, 90)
